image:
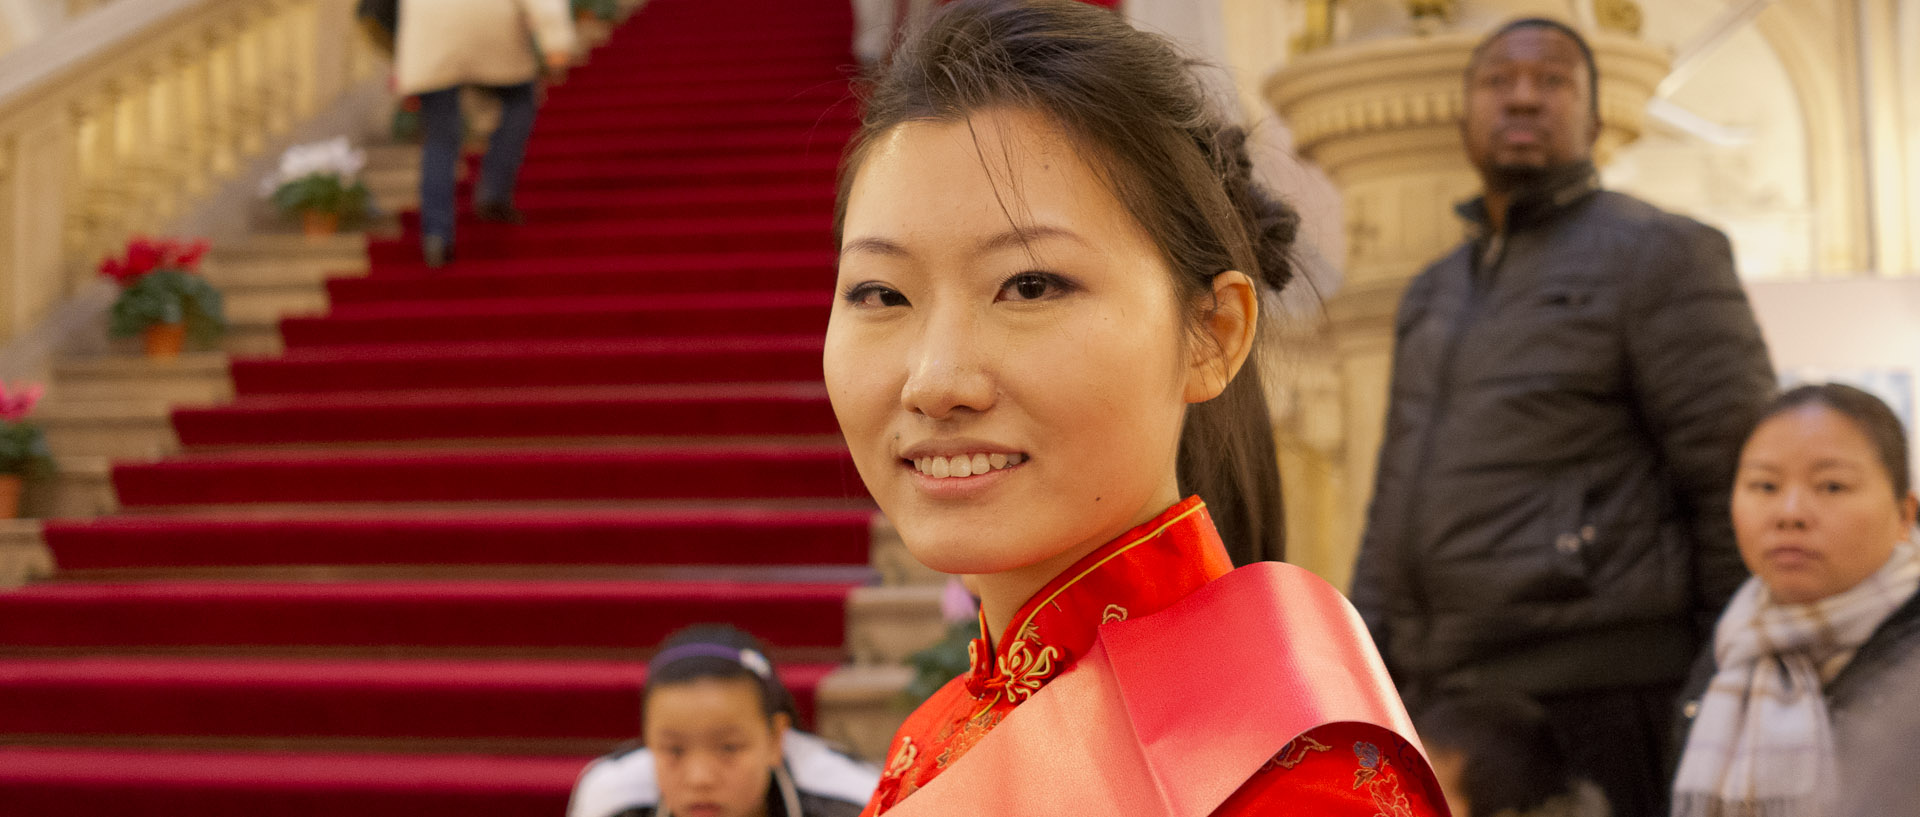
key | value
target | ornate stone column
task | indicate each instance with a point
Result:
(1379, 110)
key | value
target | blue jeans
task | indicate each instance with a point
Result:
(445, 129)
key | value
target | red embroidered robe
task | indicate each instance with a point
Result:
(1333, 769)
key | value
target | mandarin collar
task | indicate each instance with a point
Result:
(1139, 573)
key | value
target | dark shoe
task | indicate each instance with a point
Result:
(499, 212)
(435, 251)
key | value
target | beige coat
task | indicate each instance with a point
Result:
(444, 43)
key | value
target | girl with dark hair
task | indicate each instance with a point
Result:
(1496, 755)
(719, 742)
(1052, 264)
(1797, 695)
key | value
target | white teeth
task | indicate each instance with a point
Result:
(965, 465)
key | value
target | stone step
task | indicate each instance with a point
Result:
(23, 555)
(195, 378)
(344, 250)
(239, 273)
(80, 488)
(253, 338)
(116, 429)
(860, 707)
(886, 624)
(266, 305)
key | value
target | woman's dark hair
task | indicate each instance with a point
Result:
(1513, 761)
(719, 651)
(1874, 419)
(1178, 166)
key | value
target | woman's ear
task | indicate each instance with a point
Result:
(1910, 510)
(1229, 327)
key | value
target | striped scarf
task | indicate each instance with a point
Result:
(1762, 745)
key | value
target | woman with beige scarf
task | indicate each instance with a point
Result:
(1783, 713)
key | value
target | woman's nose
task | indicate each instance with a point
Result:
(1792, 512)
(946, 371)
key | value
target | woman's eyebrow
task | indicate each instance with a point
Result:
(1021, 236)
(1013, 237)
(877, 246)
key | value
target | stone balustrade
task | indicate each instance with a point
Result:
(114, 125)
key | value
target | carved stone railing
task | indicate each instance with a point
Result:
(115, 124)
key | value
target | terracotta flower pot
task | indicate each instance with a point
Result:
(164, 341)
(10, 496)
(316, 223)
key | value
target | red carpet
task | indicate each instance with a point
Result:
(732, 536)
(564, 317)
(583, 702)
(58, 782)
(446, 614)
(724, 409)
(417, 565)
(602, 275)
(509, 364)
(821, 470)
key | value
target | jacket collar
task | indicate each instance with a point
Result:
(1139, 573)
(1894, 634)
(1559, 189)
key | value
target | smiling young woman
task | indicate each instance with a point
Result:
(1052, 260)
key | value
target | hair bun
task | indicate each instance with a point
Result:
(1272, 224)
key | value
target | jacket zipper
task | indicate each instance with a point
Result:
(1443, 391)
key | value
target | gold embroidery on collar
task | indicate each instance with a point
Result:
(1197, 507)
(1025, 671)
(1113, 613)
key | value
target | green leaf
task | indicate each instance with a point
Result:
(323, 193)
(170, 296)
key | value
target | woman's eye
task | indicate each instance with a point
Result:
(1032, 286)
(875, 295)
(1760, 486)
(1832, 487)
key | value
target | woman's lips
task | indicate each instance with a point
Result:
(927, 479)
(965, 465)
(1790, 556)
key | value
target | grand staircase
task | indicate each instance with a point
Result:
(409, 556)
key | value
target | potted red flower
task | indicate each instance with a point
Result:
(163, 297)
(23, 446)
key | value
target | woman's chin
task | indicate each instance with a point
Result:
(968, 555)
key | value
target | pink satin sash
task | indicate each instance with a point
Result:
(1172, 713)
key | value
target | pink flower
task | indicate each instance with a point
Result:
(17, 405)
(956, 604)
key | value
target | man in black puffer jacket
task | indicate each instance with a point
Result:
(1570, 390)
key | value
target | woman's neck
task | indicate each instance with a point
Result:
(1002, 594)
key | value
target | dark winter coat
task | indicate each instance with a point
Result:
(1874, 705)
(1567, 405)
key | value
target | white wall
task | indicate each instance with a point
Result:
(1841, 329)
(23, 21)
